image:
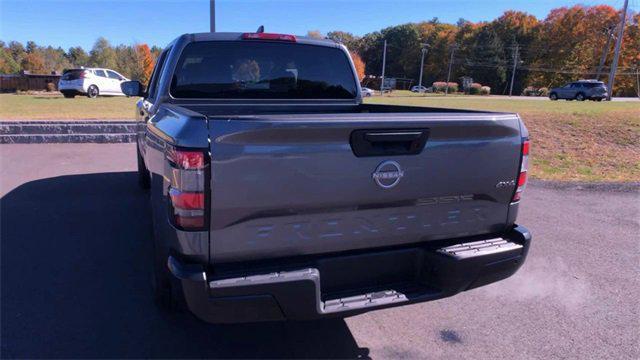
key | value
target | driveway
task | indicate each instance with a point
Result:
(75, 258)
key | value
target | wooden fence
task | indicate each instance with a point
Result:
(26, 82)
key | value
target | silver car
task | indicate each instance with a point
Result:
(366, 92)
(580, 90)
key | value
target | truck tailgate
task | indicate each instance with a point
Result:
(287, 185)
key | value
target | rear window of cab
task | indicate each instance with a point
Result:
(262, 70)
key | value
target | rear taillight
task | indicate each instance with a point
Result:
(187, 195)
(269, 36)
(83, 74)
(524, 167)
(186, 160)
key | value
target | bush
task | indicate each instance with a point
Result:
(485, 90)
(441, 86)
(530, 91)
(474, 89)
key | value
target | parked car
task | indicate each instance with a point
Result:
(276, 193)
(580, 90)
(90, 82)
(366, 92)
(419, 89)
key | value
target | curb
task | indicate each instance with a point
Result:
(78, 131)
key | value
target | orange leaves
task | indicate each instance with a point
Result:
(146, 62)
(359, 64)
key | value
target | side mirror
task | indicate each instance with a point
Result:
(132, 88)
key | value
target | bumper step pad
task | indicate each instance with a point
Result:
(479, 248)
(361, 301)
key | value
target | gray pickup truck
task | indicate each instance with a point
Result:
(277, 194)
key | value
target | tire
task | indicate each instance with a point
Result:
(580, 97)
(553, 96)
(144, 179)
(599, 99)
(69, 96)
(166, 288)
(93, 92)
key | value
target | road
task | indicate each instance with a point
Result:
(75, 244)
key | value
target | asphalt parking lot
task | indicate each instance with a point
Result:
(75, 284)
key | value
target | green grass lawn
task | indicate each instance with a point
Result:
(584, 141)
(45, 107)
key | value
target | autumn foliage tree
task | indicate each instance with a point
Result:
(566, 45)
(359, 64)
(33, 62)
(145, 62)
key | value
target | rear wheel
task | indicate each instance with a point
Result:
(144, 179)
(167, 289)
(93, 91)
(580, 97)
(553, 96)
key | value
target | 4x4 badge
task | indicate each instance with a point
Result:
(387, 174)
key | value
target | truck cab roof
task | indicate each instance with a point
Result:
(236, 36)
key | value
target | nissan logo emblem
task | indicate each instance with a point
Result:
(387, 174)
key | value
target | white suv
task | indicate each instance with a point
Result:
(90, 82)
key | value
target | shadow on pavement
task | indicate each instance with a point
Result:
(75, 283)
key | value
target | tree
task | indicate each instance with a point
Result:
(347, 39)
(486, 63)
(127, 62)
(7, 64)
(17, 51)
(359, 64)
(102, 54)
(31, 46)
(55, 59)
(146, 62)
(155, 52)
(404, 46)
(316, 34)
(34, 63)
(77, 56)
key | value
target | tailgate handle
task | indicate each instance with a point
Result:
(388, 142)
(392, 136)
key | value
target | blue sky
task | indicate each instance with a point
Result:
(70, 23)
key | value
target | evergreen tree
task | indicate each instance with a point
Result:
(77, 56)
(485, 62)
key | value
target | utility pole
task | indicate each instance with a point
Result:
(212, 15)
(453, 50)
(516, 54)
(638, 79)
(605, 51)
(614, 66)
(425, 49)
(384, 63)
